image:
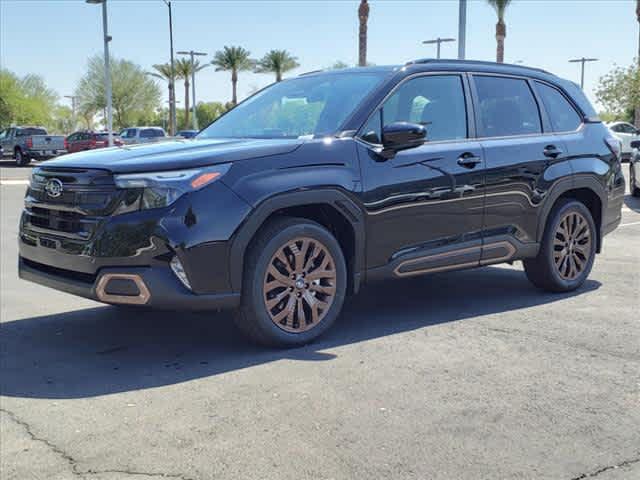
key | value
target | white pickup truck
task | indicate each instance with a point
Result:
(26, 143)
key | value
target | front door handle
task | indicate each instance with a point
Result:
(468, 160)
(552, 151)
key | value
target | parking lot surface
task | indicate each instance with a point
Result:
(467, 375)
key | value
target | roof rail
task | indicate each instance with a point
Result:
(473, 62)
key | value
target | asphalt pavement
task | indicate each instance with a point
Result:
(466, 375)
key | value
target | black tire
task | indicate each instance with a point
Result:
(253, 317)
(635, 191)
(21, 160)
(543, 271)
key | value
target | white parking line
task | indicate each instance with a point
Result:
(628, 224)
(14, 182)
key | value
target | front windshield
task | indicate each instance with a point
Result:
(302, 107)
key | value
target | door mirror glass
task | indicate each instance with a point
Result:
(403, 135)
(635, 144)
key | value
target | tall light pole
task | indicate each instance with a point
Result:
(582, 61)
(172, 80)
(438, 41)
(193, 54)
(107, 68)
(462, 29)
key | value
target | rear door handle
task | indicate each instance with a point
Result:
(468, 160)
(552, 151)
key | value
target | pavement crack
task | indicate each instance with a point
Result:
(141, 474)
(595, 473)
(73, 463)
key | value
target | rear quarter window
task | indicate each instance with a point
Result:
(562, 115)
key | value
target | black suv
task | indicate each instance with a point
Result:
(318, 184)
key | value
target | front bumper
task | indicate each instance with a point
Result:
(161, 289)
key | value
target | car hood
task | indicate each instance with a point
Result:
(174, 155)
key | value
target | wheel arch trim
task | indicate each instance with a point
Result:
(566, 185)
(331, 197)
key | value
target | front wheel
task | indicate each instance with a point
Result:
(568, 249)
(294, 283)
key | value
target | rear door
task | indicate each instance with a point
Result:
(518, 150)
(424, 206)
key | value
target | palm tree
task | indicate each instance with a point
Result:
(163, 72)
(184, 71)
(278, 62)
(500, 6)
(363, 15)
(234, 59)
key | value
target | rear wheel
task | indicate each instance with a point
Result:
(21, 159)
(294, 283)
(568, 249)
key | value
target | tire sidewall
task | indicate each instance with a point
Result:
(255, 291)
(571, 206)
(19, 158)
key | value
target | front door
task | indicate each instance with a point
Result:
(424, 206)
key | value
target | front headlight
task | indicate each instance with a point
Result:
(161, 189)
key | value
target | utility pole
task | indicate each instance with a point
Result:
(582, 61)
(193, 54)
(172, 80)
(462, 29)
(438, 41)
(74, 118)
(107, 69)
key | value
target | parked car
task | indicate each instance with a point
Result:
(321, 183)
(187, 133)
(26, 143)
(634, 169)
(135, 135)
(80, 141)
(626, 133)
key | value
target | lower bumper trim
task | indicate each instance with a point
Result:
(163, 288)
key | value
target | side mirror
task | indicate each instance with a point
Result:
(635, 144)
(402, 136)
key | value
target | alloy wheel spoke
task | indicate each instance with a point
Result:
(307, 297)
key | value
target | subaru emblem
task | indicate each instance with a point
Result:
(53, 187)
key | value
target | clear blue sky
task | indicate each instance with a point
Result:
(53, 38)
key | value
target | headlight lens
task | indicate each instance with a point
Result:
(161, 189)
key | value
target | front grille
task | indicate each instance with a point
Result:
(87, 196)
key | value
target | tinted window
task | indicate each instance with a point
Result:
(307, 106)
(372, 131)
(146, 133)
(436, 102)
(158, 133)
(626, 128)
(506, 107)
(563, 116)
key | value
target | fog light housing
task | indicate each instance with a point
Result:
(178, 269)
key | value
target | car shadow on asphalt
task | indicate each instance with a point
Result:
(104, 350)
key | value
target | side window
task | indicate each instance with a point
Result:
(435, 101)
(563, 116)
(3, 134)
(626, 128)
(506, 107)
(372, 131)
(146, 133)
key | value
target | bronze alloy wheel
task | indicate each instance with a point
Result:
(300, 284)
(572, 245)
